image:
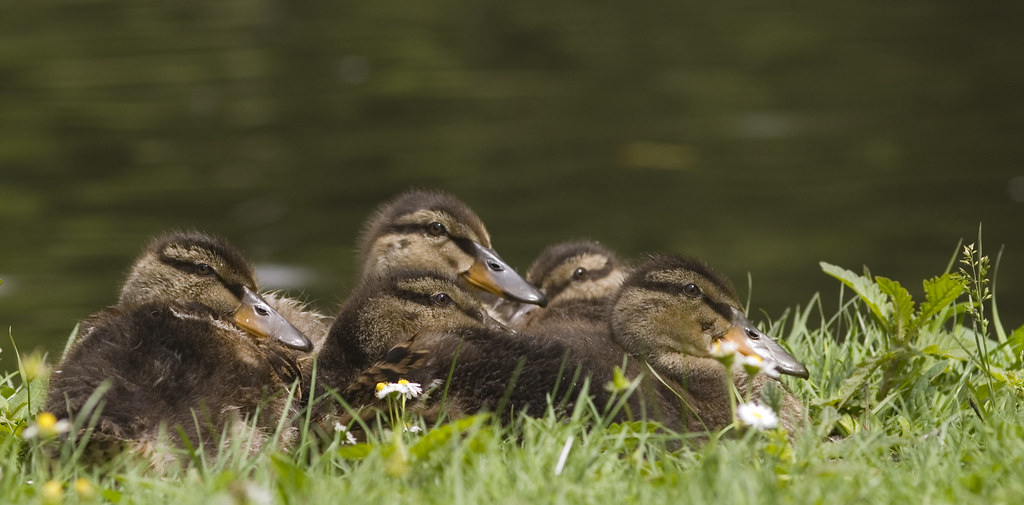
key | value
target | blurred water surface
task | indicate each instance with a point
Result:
(763, 137)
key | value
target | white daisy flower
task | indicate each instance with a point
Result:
(413, 428)
(350, 439)
(724, 351)
(46, 426)
(408, 390)
(757, 416)
(386, 388)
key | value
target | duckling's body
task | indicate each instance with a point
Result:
(666, 314)
(188, 345)
(163, 368)
(388, 310)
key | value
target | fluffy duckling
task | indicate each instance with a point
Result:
(425, 230)
(672, 312)
(578, 278)
(188, 345)
(388, 310)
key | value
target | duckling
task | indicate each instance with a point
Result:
(436, 231)
(188, 345)
(578, 278)
(671, 311)
(389, 309)
(666, 314)
(427, 230)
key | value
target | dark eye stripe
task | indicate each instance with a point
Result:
(413, 296)
(405, 229)
(557, 289)
(721, 308)
(191, 269)
(427, 300)
(463, 243)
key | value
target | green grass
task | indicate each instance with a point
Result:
(909, 402)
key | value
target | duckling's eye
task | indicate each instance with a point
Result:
(204, 269)
(441, 299)
(692, 290)
(579, 273)
(436, 229)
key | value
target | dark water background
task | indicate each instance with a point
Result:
(761, 136)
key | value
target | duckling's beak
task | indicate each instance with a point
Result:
(522, 314)
(490, 273)
(256, 316)
(753, 342)
(489, 321)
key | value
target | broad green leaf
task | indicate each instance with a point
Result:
(112, 495)
(902, 304)
(957, 353)
(355, 451)
(291, 478)
(440, 435)
(633, 427)
(939, 292)
(868, 291)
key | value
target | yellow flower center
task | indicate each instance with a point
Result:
(52, 491)
(380, 385)
(83, 488)
(47, 424)
(403, 382)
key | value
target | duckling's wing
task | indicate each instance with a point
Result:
(400, 362)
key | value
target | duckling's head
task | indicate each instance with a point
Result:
(435, 231)
(392, 308)
(570, 274)
(670, 308)
(189, 267)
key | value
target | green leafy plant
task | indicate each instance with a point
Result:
(929, 342)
